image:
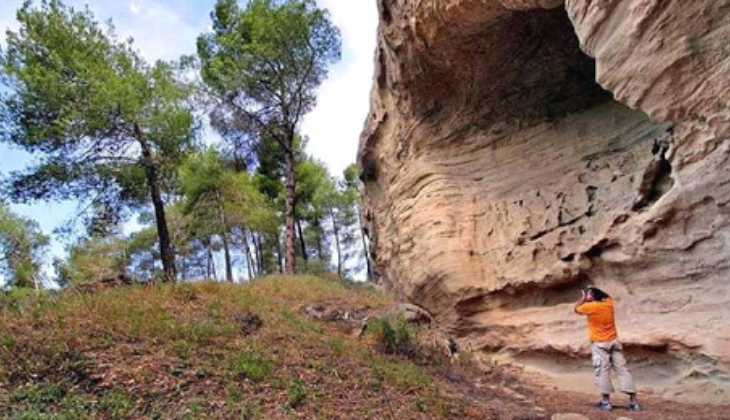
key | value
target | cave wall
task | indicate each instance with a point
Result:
(518, 149)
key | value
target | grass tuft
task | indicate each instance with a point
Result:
(253, 365)
(297, 393)
(394, 336)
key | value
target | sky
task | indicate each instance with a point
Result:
(167, 29)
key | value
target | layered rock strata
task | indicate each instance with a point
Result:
(519, 149)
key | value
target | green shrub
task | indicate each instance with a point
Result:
(184, 292)
(182, 349)
(253, 365)
(116, 403)
(396, 337)
(336, 345)
(234, 394)
(18, 299)
(75, 406)
(33, 395)
(297, 393)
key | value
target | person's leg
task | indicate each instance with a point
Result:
(601, 358)
(626, 381)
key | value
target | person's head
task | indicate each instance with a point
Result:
(595, 294)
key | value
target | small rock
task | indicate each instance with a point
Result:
(569, 416)
(414, 314)
(333, 313)
(623, 418)
(249, 322)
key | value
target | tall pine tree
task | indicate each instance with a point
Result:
(264, 63)
(106, 126)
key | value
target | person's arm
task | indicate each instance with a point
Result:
(582, 307)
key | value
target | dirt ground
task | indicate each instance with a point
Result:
(654, 408)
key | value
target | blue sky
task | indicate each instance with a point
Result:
(166, 29)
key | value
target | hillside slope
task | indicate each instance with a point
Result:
(214, 350)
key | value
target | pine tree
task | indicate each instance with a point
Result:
(264, 63)
(107, 127)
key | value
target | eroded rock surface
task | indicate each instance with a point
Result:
(519, 149)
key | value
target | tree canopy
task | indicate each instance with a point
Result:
(120, 136)
(106, 126)
(21, 248)
(264, 63)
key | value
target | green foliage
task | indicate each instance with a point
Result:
(297, 393)
(21, 248)
(82, 100)
(107, 128)
(220, 202)
(35, 395)
(142, 252)
(263, 64)
(403, 374)
(394, 336)
(253, 365)
(94, 259)
(272, 54)
(209, 186)
(16, 299)
(117, 403)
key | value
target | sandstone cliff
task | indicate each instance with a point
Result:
(518, 149)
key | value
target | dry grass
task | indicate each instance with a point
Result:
(180, 351)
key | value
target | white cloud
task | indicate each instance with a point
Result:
(7, 22)
(159, 31)
(334, 126)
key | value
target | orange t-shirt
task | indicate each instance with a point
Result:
(601, 324)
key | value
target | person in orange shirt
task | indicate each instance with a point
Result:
(606, 350)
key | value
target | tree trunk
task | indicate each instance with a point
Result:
(224, 238)
(318, 224)
(211, 265)
(227, 257)
(166, 249)
(302, 242)
(278, 253)
(249, 258)
(290, 266)
(259, 252)
(336, 231)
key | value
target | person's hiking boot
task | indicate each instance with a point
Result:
(634, 406)
(603, 405)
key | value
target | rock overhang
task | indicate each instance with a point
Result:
(504, 167)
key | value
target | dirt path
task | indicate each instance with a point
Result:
(513, 396)
(654, 407)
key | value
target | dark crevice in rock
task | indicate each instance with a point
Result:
(656, 182)
(562, 224)
(385, 13)
(596, 250)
